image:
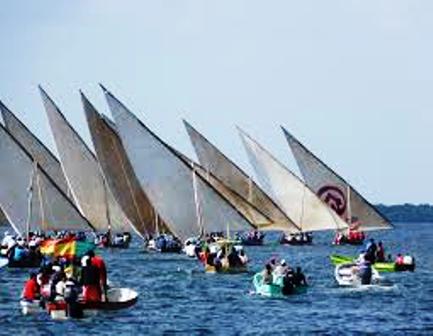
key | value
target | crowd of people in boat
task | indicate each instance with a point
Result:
(25, 252)
(120, 240)
(251, 238)
(282, 274)
(228, 256)
(164, 243)
(300, 238)
(68, 282)
(353, 236)
(375, 253)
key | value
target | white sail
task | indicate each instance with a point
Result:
(118, 172)
(234, 178)
(35, 147)
(293, 196)
(83, 174)
(16, 170)
(168, 181)
(334, 190)
(247, 209)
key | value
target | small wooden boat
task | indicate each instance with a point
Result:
(297, 239)
(347, 275)
(225, 268)
(390, 266)
(274, 290)
(117, 298)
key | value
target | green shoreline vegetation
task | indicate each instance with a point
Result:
(410, 213)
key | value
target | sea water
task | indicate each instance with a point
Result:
(176, 297)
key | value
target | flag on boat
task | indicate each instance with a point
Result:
(66, 248)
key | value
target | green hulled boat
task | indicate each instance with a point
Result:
(273, 290)
(337, 259)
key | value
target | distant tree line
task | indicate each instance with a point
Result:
(407, 212)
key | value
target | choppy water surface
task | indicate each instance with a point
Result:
(177, 297)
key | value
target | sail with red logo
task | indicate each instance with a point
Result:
(340, 196)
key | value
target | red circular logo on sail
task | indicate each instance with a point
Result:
(334, 197)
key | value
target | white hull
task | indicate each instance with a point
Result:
(347, 276)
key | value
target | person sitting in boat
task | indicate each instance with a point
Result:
(267, 275)
(399, 260)
(18, 252)
(233, 258)
(118, 239)
(288, 282)
(90, 280)
(243, 257)
(273, 262)
(380, 253)
(59, 287)
(8, 241)
(31, 288)
(338, 238)
(71, 294)
(281, 269)
(299, 278)
(126, 237)
(370, 251)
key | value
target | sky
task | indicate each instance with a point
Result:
(351, 79)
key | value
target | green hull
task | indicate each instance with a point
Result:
(272, 290)
(379, 266)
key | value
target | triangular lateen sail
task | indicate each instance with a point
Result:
(118, 172)
(214, 161)
(334, 190)
(53, 210)
(83, 173)
(35, 147)
(244, 207)
(168, 181)
(293, 196)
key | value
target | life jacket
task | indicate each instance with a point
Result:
(399, 260)
(19, 253)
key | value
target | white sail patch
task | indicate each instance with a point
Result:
(83, 174)
(293, 196)
(334, 190)
(168, 181)
(235, 179)
(51, 208)
(35, 147)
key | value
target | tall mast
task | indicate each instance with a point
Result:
(196, 199)
(107, 207)
(41, 201)
(349, 207)
(29, 199)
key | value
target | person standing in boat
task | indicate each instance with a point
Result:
(99, 263)
(299, 278)
(380, 253)
(370, 251)
(90, 279)
(365, 272)
(31, 288)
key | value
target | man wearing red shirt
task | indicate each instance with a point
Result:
(31, 288)
(99, 263)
